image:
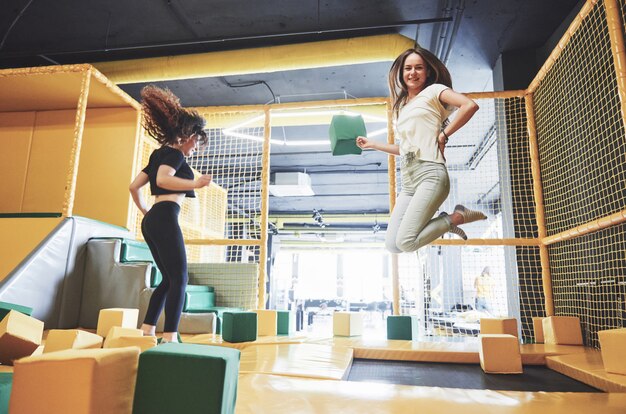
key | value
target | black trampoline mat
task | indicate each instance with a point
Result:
(467, 376)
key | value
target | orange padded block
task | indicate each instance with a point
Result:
(108, 318)
(62, 339)
(267, 322)
(20, 335)
(538, 329)
(143, 342)
(507, 326)
(347, 323)
(81, 381)
(118, 331)
(500, 354)
(562, 330)
(612, 344)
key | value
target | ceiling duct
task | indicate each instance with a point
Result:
(290, 184)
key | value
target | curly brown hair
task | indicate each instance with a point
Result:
(438, 73)
(166, 120)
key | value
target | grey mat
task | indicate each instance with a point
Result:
(468, 376)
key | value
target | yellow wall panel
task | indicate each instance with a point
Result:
(106, 165)
(49, 161)
(19, 236)
(16, 130)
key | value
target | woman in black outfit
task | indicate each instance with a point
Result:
(179, 131)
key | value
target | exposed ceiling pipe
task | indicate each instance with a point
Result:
(442, 29)
(326, 53)
(457, 22)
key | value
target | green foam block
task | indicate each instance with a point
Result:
(343, 132)
(402, 327)
(187, 378)
(239, 327)
(285, 322)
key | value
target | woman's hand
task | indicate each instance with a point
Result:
(203, 181)
(441, 142)
(364, 143)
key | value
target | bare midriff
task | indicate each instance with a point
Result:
(177, 198)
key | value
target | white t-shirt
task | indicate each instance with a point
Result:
(419, 123)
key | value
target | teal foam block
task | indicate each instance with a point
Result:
(239, 326)
(187, 378)
(6, 307)
(198, 298)
(402, 327)
(343, 132)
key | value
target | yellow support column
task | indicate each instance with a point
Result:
(265, 181)
(616, 33)
(79, 126)
(539, 209)
(395, 276)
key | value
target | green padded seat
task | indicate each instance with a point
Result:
(187, 378)
(285, 322)
(6, 307)
(198, 298)
(343, 132)
(137, 251)
(402, 327)
(239, 326)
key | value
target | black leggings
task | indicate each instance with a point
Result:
(162, 233)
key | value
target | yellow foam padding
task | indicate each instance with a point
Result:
(612, 344)
(538, 330)
(143, 342)
(16, 130)
(507, 326)
(105, 197)
(20, 335)
(76, 381)
(49, 161)
(117, 331)
(587, 367)
(272, 394)
(122, 317)
(500, 354)
(19, 236)
(215, 339)
(266, 322)
(535, 354)
(465, 352)
(62, 339)
(562, 330)
(297, 360)
(347, 323)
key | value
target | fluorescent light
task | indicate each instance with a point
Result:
(299, 143)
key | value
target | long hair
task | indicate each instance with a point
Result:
(437, 73)
(166, 120)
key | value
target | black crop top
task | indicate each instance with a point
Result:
(175, 159)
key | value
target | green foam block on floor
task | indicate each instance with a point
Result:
(239, 326)
(343, 132)
(285, 322)
(6, 307)
(187, 378)
(402, 327)
(6, 383)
